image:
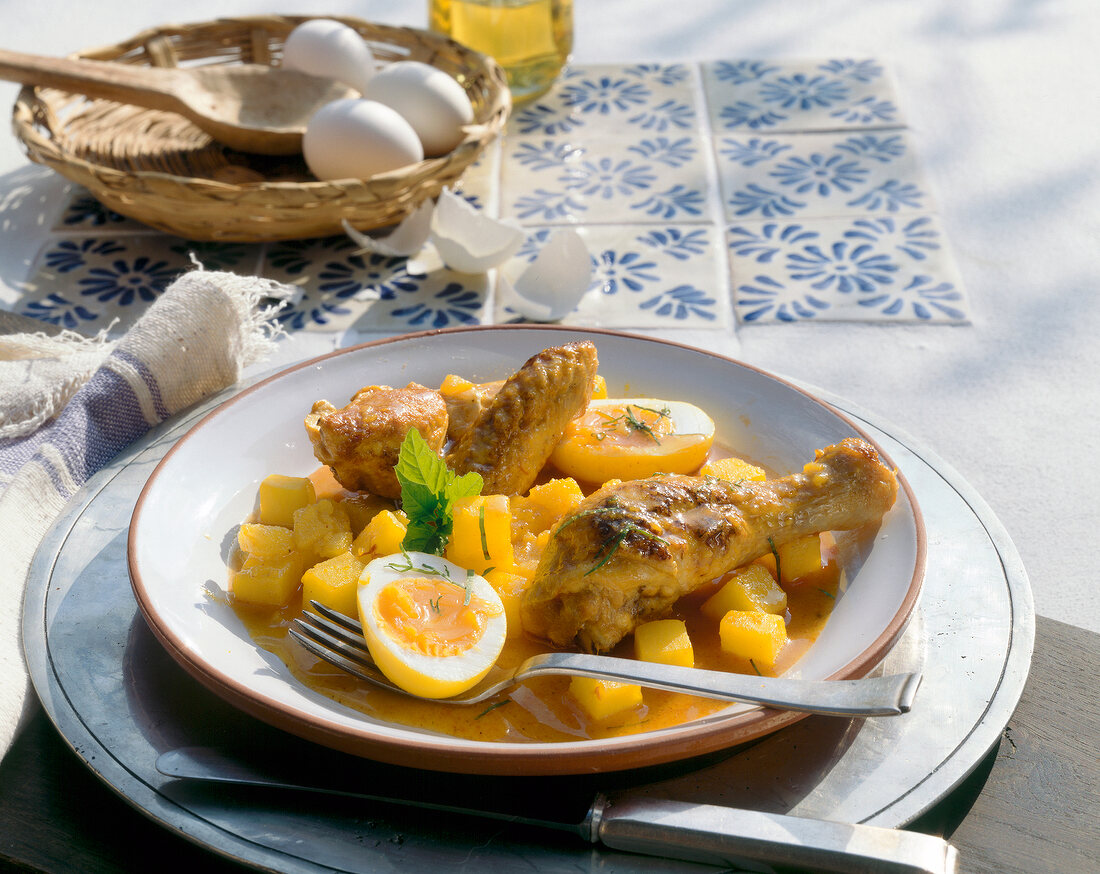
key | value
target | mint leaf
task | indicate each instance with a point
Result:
(428, 492)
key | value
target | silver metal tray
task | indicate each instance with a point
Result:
(119, 700)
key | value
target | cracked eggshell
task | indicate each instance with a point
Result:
(406, 239)
(552, 285)
(356, 139)
(330, 49)
(469, 241)
(433, 102)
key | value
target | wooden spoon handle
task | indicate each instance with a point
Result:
(125, 83)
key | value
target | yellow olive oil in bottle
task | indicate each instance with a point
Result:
(530, 39)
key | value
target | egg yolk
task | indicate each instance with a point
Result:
(432, 617)
(628, 441)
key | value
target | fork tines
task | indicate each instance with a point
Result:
(336, 638)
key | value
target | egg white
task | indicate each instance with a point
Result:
(426, 675)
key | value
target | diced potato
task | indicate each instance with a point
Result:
(361, 507)
(321, 530)
(555, 498)
(750, 634)
(481, 536)
(335, 583)
(454, 385)
(599, 388)
(733, 469)
(664, 641)
(510, 587)
(382, 535)
(601, 699)
(281, 495)
(799, 558)
(748, 588)
(265, 541)
(267, 583)
(534, 514)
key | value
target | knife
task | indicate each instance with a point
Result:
(640, 824)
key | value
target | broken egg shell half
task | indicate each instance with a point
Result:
(469, 241)
(552, 285)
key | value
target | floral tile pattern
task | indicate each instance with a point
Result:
(715, 196)
(343, 289)
(862, 269)
(773, 96)
(657, 179)
(659, 276)
(820, 174)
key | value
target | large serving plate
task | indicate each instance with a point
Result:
(186, 516)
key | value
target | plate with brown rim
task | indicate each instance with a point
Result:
(186, 516)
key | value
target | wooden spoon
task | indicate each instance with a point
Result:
(249, 107)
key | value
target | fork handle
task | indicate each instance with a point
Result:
(872, 696)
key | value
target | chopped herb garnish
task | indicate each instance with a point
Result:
(493, 707)
(826, 593)
(755, 668)
(429, 490)
(435, 605)
(481, 526)
(613, 542)
(775, 554)
(424, 568)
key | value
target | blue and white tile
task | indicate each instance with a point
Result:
(891, 269)
(343, 289)
(83, 213)
(820, 174)
(479, 182)
(631, 100)
(651, 179)
(85, 283)
(797, 96)
(643, 276)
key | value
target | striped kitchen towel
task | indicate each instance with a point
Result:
(68, 405)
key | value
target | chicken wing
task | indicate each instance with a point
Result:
(361, 441)
(630, 550)
(513, 436)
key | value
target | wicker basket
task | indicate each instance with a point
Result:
(160, 169)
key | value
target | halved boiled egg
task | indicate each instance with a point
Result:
(432, 627)
(632, 438)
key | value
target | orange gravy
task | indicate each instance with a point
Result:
(542, 710)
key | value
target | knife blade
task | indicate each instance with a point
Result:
(635, 823)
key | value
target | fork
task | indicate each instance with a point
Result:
(338, 639)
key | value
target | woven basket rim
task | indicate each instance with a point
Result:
(40, 132)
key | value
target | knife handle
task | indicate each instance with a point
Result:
(765, 841)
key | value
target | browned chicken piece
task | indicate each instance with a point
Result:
(514, 435)
(464, 407)
(632, 549)
(361, 441)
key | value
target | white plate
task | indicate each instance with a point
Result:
(186, 517)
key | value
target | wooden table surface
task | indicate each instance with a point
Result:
(1032, 806)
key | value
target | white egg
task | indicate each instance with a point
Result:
(434, 103)
(323, 47)
(356, 139)
(432, 627)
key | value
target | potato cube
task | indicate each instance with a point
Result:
(321, 530)
(510, 587)
(361, 507)
(601, 699)
(265, 541)
(664, 641)
(733, 469)
(453, 384)
(281, 495)
(335, 583)
(481, 537)
(555, 498)
(750, 634)
(799, 558)
(748, 588)
(599, 388)
(382, 535)
(267, 583)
